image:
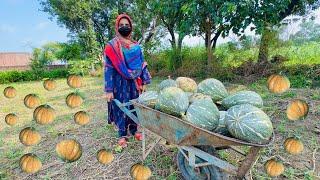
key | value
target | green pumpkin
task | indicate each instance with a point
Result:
(148, 98)
(243, 97)
(249, 123)
(203, 113)
(222, 127)
(197, 96)
(172, 100)
(214, 88)
(167, 83)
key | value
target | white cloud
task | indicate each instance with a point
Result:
(6, 28)
(42, 25)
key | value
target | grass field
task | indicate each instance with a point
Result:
(98, 134)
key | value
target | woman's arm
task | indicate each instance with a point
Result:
(109, 73)
(145, 75)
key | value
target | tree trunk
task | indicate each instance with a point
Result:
(264, 47)
(178, 53)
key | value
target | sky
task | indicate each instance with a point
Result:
(23, 27)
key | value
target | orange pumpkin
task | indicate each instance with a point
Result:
(104, 156)
(81, 118)
(44, 114)
(49, 84)
(74, 81)
(69, 150)
(30, 163)
(11, 119)
(140, 172)
(278, 83)
(74, 100)
(297, 109)
(293, 146)
(10, 92)
(274, 168)
(31, 101)
(29, 136)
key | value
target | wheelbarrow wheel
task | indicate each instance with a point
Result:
(200, 173)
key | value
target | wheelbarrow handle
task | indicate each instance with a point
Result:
(126, 110)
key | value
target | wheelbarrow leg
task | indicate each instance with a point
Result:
(248, 162)
(145, 151)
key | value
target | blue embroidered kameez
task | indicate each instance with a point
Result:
(123, 90)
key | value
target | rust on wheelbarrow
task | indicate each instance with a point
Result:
(183, 133)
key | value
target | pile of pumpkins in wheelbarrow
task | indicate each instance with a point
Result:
(237, 114)
(210, 106)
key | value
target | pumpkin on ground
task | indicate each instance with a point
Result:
(148, 98)
(69, 150)
(274, 168)
(278, 83)
(11, 119)
(214, 88)
(30, 163)
(31, 101)
(243, 97)
(81, 118)
(104, 156)
(140, 172)
(297, 109)
(74, 100)
(186, 84)
(172, 100)
(197, 96)
(29, 136)
(10, 92)
(74, 81)
(249, 123)
(222, 127)
(44, 114)
(293, 146)
(203, 113)
(167, 83)
(49, 84)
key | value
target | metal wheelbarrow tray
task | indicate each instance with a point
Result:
(188, 138)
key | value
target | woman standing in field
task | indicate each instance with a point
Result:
(126, 76)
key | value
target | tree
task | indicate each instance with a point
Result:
(309, 31)
(174, 20)
(268, 13)
(215, 18)
(42, 57)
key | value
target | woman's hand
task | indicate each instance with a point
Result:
(109, 96)
(144, 88)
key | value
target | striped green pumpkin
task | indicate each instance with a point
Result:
(148, 98)
(249, 123)
(197, 96)
(222, 128)
(203, 113)
(243, 97)
(213, 88)
(172, 100)
(167, 83)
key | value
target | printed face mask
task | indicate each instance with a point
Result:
(124, 31)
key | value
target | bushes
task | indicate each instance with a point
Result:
(30, 75)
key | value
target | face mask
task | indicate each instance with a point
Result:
(124, 31)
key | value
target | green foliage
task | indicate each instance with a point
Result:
(30, 75)
(42, 57)
(79, 66)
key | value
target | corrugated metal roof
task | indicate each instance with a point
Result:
(9, 59)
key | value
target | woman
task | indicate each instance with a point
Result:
(126, 76)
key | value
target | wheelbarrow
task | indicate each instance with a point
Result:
(197, 155)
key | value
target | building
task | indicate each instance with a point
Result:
(22, 61)
(14, 61)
